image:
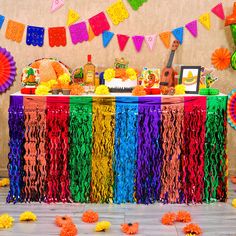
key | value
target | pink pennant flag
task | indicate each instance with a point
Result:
(56, 4)
(192, 28)
(219, 11)
(150, 40)
(122, 40)
(138, 42)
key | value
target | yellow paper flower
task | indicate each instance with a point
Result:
(4, 182)
(109, 74)
(234, 202)
(180, 89)
(102, 226)
(64, 79)
(49, 83)
(6, 221)
(28, 216)
(131, 73)
(42, 90)
(102, 90)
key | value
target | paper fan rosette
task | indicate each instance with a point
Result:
(232, 108)
(7, 69)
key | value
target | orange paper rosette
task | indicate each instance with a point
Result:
(192, 229)
(69, 230)
(90, 216)
(130, 228)
(183, 216)
(221, 58)
(168, 218)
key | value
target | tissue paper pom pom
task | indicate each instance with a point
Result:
(69, 230)
(42, 90)
(102, 90)
(168, 218)
(76, 89)
(63, 220)
(183, 216)
(28, 216)
(130, 228)
(139, 91)
(102, 226)
(180, 89)
(109, 74)
(6, 221)
(131, 73)
(234, 202)
(64, 79)
(192, 229)
(221, 58)
(4, 182)
(90, 216)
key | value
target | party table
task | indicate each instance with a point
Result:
(117, 148)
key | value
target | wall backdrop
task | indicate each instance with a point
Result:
(155, 16)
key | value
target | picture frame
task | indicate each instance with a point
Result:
(190, 77)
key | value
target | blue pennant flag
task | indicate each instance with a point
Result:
(106, 38)
(179, 34)
(2, 18)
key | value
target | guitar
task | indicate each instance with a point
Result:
(168, 73)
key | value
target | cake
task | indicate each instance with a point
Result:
(121, 78)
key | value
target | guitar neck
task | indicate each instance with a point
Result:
(172, 54)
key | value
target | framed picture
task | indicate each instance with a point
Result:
(190, 77)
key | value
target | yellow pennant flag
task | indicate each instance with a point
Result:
(205, 20)
(73, 16)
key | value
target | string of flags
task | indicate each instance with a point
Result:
(99, 25)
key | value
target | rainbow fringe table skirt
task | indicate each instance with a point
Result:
(118, 149)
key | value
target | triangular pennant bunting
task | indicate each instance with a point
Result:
(138, 42)
(150, 40)
(106, 38)
(179, 34)
(205, 20)
(72, 17)
(192, 28)
(165, 38)
(91, 34)
(2, 18)
(122, 40)
(218, 10)
(56, 4)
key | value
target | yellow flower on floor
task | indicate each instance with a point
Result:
(234, 202)
(102, 226)
(6, 221)
(28, 216)
(4, 182)
(190, 235)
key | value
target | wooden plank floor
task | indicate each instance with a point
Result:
(217, 219)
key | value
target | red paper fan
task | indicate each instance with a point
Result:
(232, 108)
(7, 69)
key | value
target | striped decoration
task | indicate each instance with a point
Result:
(118, 149)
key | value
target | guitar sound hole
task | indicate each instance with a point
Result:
(166, 73)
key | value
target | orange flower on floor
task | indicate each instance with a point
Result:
(63, 220)
(69, 230)
(183, 216)
(90, 216)
(168, 218)
(220, 59)
(192, 229)
(138, 91)
(130, 228)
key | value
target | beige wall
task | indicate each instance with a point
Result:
(154, 17)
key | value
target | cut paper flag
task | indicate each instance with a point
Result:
(15, 31)
(99, 23)
(179, 34)
(78, 32)
(205, 20)
(2, 18)
(72, 17)
(192, 28)
(56, 4)
(138, 42)
(35, 36)
(165, 38)
(135, 4)
(218, 10)
(150, 40)
(57, 36)
(117, 12)
(106, 38)
(91, 34)
(122, 41)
